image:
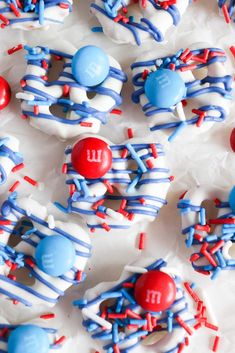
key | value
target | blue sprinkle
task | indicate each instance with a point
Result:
(61, 207)
(202, 216)
(216, 273)
(108, 295)
(136, 158)
(128, 296)
(80, 303)
(97, 29)
(41, 11)
(177, 131)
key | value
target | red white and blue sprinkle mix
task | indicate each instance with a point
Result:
(206, 99)
(210, 239)
(113, 315)
(136, 170)
(31, 14)
(32, 226)
(79, 113)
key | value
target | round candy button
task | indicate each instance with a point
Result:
(5, 93)
(231, 199)
(28, 339)
(90, 66)
(155, 291)
(164, 88)
(91, 157)
(232, 140)
(55, 255)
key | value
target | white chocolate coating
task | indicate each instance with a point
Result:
(67, 127)
(162, 341)
(48, 325)
(152, 187)
(45, 288)
(191, 207)
(8, 144)
(159, 18)
(212, 97)
(28, 21)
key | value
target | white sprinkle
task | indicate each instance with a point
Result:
(51, 222)
(180, 111)
(25, 96)
(226, 248)
(96, 318)
(135, 269)
(113, 214)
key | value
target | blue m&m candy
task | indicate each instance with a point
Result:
(164, 88)
(90, 66)
(28, 339)
(231, 199)
(55, 255)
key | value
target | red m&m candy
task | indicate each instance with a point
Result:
(5, 93)
(155, 291)
(91, 157)
(232, 140)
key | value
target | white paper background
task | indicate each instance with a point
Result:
(205, 158)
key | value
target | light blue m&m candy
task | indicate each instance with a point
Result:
(231, 199)
(164, 88)
(90, 66)
(28, 339)
(55, 255)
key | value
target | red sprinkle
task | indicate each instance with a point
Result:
(66, 90)
(60, 340)
(36, 109)
(181, 347)
(64, 168)
(14, 186)
(4, 222)
(62, 5)
(217, 246)
(232, 49)
(188, 67)
(184, 325)
(186, 341)
(106, 227)
(108, 186)
(18, 167)
(142, 201)
(116, 349)
(142, 240)
(128, 285)
(97, 204)
(216, 344)
(85, 124)
(30, 262)
(79, 276)
(4, 332)
(145, 74)
(117, 316)
(72, 189)
(150, 163)
(116, 111)
(30, 180)
(212, 327)
(191, 292)
(14, 9)
(15, 49)
(154, 150)
(226, 13)
(130, 133)
(47, 316)
(124, 153)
